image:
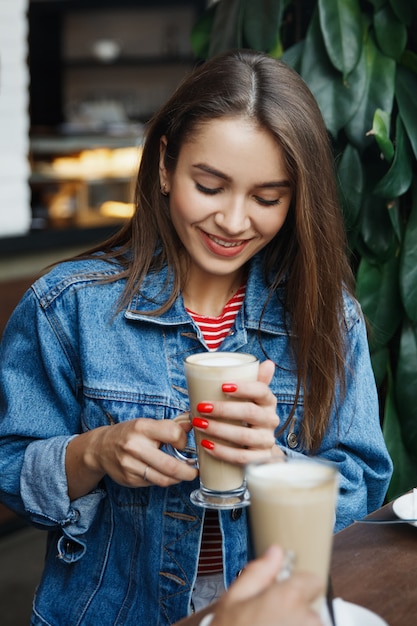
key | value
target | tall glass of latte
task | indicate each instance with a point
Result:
(293, 504)
(222, 485)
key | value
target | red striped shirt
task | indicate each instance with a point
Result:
(211, 555)
(214, 330)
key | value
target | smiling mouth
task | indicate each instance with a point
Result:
(226, 243)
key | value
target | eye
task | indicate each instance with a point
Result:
(209, 191)
(264, 202)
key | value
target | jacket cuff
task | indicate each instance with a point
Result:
(44, 489)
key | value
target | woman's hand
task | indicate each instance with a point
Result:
(128, 452)
(257, 598)
(251, 417)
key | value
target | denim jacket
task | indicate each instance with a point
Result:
(71, 363)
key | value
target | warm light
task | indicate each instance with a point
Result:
(99, 163)
(117, 209)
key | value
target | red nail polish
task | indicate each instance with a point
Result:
(199, 422)
(204, 407)
(229, 387)
(209, 445)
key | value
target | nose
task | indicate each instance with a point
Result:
(234, 218)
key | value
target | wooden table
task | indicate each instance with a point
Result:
(376, 567)
(373, 566)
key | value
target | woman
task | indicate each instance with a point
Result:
(236, 244)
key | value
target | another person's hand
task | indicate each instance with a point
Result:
(252, 410)
(257, 599)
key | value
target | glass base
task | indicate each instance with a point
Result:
(220, 499)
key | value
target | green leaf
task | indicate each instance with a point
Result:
(381, 131)
(379, 74)
(226, 33)
(377, 4)
(406, 386)
(350, 182)
(377, 292)
(390, 33)
(277, 50)
(408, 262)
(380, 363)
(376, 228)
(403, 9)
(293, 55)
(395, 217)
(405, 469)
(399, 176)
(336, 98)
(409, 61)
(341, 25)
(201, 33)
(406, 96)
(262, 23)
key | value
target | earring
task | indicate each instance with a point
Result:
(164, 190)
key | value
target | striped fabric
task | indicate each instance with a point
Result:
(211, 557)
(214, 330)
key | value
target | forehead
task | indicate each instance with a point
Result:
(232, 145)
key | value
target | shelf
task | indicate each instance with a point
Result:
(66, 72)
(50, 239)
(134, 62)
(63, 145)
(70, 5)
(40, 179)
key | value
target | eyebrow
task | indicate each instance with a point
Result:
(211, 170)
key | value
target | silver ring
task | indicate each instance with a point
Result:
(145, 472)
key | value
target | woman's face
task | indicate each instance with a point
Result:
(229, 194)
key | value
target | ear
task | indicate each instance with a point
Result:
(163, 174)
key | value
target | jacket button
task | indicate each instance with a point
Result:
(236, 514)
(292, 440)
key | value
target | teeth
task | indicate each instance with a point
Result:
(226, 244)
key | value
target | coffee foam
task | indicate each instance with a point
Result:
(220, 362)
(292, 474)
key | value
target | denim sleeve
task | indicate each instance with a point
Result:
(354, 440)
(39, 414)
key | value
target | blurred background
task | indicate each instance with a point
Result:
(78, 81)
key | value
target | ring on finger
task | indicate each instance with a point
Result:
(144, 474)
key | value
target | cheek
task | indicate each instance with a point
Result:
(187, 206)
(178, 208)
(271, 226)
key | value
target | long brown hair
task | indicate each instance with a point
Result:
(309, 251)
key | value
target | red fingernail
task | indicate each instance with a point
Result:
(209, 445)
(204, 407)
(199, 422)
(229, 387)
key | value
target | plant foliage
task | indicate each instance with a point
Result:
(359, 59)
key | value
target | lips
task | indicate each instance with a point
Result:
(225, 243)
(224, 247)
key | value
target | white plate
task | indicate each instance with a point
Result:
(405, 507)
(348, 614)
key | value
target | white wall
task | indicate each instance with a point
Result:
(15, 213)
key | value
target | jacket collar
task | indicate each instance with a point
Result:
(156, 287)
(154, 292)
